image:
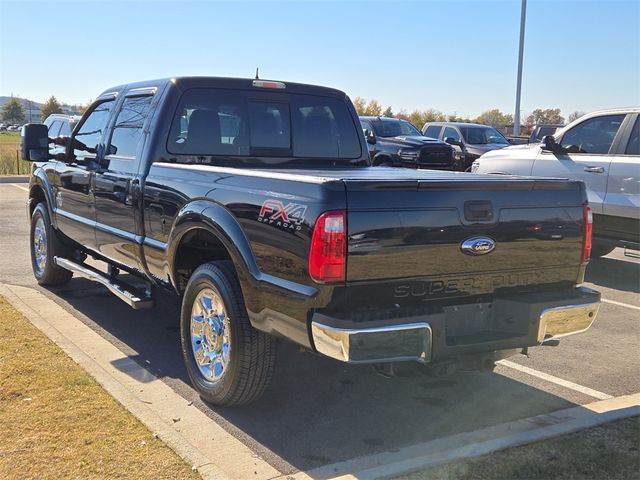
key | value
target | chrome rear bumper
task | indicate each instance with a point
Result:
(394, 343)
(525, 322)
(559, 322)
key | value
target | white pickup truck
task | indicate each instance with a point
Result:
(603, 150)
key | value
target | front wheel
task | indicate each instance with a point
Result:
(45, 245)
(228, 361)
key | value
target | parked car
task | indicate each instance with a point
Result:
(255, 202)
(397, 143)
(540, 131)
(601, 149)
(470, 140)
(60, 125)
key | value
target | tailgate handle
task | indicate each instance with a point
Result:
(478, 210)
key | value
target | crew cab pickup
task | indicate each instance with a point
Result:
(256, 203)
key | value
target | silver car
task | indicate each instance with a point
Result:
(603, 150)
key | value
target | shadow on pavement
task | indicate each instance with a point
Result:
(614, 273)
(317, 411)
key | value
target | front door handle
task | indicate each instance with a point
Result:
(594, 169)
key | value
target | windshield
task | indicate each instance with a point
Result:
(394, 128)
(482, 135)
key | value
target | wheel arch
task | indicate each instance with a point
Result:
(206, 231)
(40, 190)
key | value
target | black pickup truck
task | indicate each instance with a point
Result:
(255, 201)
(394, 142)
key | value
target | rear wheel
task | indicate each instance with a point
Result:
(228, 361)
(45, 245)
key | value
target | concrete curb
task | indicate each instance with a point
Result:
(213, 452)
(480, 442)
(14, 179)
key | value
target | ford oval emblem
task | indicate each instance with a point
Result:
(478, 246)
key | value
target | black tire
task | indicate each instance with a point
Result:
(252, 353)
(47, 273)
(600, 250)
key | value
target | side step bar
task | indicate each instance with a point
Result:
(127, 294)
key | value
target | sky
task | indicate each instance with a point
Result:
(454, 56)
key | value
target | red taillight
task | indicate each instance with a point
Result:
(587, 220)
(328, 254)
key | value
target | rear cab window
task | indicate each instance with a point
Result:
(239, 126)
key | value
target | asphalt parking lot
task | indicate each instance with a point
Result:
(318, 411)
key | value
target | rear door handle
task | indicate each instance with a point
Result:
(594, 169)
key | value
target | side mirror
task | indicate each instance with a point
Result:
(549, 144)
(370, 136)
(34, 140)
(453, 141)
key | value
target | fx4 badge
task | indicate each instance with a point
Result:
(274, 212)
(477, 246)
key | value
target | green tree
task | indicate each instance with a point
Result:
(360, 104)
(420, 117)
(50, 107)
(495, 118)
(388, 112)
(373, 109)
(574, 116)
(12, 111)
(402, 115)
(547, 116)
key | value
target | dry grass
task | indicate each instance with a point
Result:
(56, 422)
(610, 451)
(9, 143)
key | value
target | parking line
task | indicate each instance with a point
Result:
(558, 381)
(18, 186)
(620, 304)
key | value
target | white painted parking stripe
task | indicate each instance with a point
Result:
(558, 381)
(620, 304)
(18, 186)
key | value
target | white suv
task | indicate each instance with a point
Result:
(603, 150)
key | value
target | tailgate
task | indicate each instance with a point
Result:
(417, 229)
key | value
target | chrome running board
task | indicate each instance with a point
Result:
(127, 294)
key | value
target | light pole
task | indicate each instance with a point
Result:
(516, 118)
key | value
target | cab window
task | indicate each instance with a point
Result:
(633, 147)
(433, 131)
(127, 129)
(594, 135)
(54, 128)
(90, 135)
(450, 132)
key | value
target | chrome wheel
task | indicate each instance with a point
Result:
(40, 245)
(210, 334)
